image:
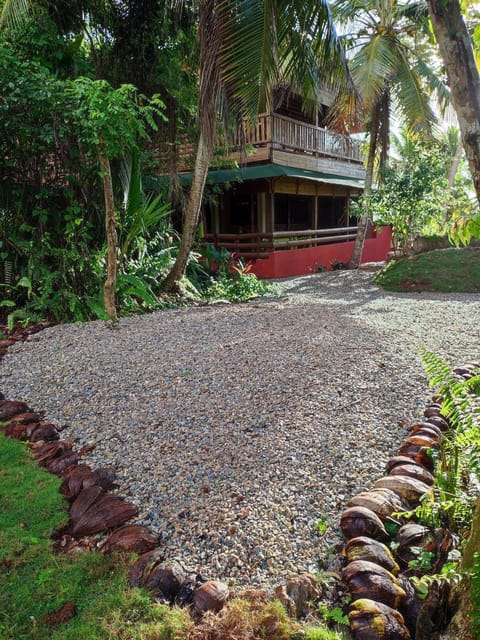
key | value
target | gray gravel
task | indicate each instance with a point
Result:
(237, 428)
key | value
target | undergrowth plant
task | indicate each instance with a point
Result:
(458, 464)
(450, 505)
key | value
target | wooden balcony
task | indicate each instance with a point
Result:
(259, 245)
(276, 132)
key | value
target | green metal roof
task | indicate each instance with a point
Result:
(220, 176)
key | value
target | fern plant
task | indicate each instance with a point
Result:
(458, 460)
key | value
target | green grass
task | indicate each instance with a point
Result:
(444, 270)
(34, 582)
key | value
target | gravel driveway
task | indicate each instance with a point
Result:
(237, 428)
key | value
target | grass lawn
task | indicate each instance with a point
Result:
(34, 582)
(36, 585)
(443, 270)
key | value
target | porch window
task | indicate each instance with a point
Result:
(243, 212)
(332, 212)
(293, 213)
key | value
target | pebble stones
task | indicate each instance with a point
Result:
(235, 429)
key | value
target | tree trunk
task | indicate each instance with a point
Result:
(111, 235)
(452, 172)
(460, 627)
(210, 41)
(192, 214)
(463, 78)
(363, 220)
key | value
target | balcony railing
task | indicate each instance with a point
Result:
(260, 245)
(288, 134)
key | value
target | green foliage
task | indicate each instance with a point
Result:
(451, 505)
(449, 575)
(321, 525)
(226, 277)
(37, 38)
(413, 192)
(237, 288)
(52, 234)
(113, 119)
(463, 228)
(334, 614)
(320, 633)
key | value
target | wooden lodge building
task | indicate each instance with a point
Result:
(286, 208)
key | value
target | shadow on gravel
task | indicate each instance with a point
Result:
(354, 289)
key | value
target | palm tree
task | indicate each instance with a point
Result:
(246, 48)
(387, 69)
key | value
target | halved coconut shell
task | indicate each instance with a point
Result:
(408, 488)
(431, 432)
(131, 538)
(105, 513)
(396, 460)
(11, 408)
(63, 463)
(139, 572)
(418, 454)
(413, 471)
(369, 580)
(83, 477)
(375, 500)
(166, 578)
(370, 620)
(45, 432)
(26, 418)
(439, 422)
(364, 548)
(422, 441)
(210, 596)
(361, 521)
(84, 501)
(45, 452)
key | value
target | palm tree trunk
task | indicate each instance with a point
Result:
(210, 40)
(363, 220)
(192, 214)
(452, 172)
(111, 235)
(463, 78)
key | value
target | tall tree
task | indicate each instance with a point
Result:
(457, 53)
(247, 47)
(387, 69)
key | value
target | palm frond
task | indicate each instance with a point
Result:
(413, 101)
(373, 67)
(14, 12)
(434, 83)
(273, 41)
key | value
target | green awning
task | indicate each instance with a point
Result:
(257, 172)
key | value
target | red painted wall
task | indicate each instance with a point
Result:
(299, 262)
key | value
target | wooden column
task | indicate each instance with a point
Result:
(270, 202)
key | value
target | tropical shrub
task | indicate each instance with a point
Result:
(414, 195)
